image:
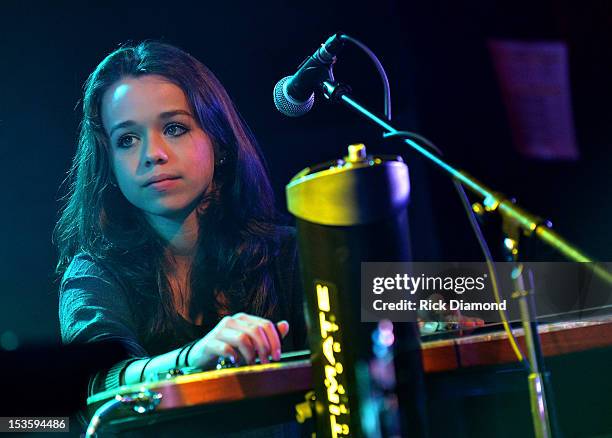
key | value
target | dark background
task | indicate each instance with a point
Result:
(443, 86)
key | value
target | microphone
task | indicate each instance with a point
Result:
(294, 95)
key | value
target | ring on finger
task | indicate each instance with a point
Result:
(225, 362)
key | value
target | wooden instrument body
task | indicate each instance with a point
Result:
(456, 369)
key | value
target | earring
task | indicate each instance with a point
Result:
(221, 161)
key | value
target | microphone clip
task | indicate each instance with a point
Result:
(333, 91)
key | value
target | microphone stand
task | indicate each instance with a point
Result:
(516, 221)
(537, 378)
(543, 414)
(528, 223)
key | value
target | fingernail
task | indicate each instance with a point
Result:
(277, 354)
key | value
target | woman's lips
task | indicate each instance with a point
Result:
(164, 184)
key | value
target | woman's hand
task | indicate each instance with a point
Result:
(243, 337)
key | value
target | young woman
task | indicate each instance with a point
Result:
(168, 241)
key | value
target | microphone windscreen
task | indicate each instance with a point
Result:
(286, 104)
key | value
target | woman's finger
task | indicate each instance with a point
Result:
(283, 328)
(272, 333)
(269, 329)
(258, 336)
(240, 340)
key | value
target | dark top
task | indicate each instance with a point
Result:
(94, 307)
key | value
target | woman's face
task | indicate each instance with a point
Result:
(162, 160)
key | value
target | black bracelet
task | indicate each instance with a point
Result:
(189, 351)
(143, 369)
(178, 363)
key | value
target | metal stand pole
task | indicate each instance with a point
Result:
(537, 393)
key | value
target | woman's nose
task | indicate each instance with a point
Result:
(155, 151)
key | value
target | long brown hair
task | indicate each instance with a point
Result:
(234, 253)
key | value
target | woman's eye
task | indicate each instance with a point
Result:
(175, 130)
(125, 141)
